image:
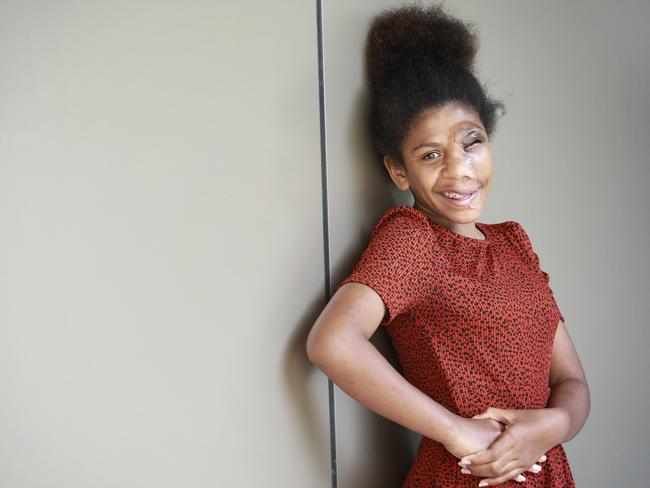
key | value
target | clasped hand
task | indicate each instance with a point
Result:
(500, 444)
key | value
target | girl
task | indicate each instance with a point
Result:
(490, 374)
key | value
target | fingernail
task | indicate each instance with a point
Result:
(465, 471)
(521, 477)
(465, 461)
(543, 458)
(484, 483)
(536, 468)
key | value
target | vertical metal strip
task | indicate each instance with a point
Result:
(326, 240)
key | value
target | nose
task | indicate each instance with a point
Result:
(459, 166)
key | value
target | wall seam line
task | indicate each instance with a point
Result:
(325, 217)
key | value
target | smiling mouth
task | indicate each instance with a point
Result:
(458, 199)
(457, 196)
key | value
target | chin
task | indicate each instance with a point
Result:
(463, 216)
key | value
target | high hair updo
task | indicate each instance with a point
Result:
(419, 58)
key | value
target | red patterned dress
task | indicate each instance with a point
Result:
(472, 322)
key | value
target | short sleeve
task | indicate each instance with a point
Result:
(387, 264)
(534, 261)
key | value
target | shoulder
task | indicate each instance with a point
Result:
(511, 228)
(399, 232)
(519, 232)
(520, 241)
(402, 221)
(509, 225)
(512, 235)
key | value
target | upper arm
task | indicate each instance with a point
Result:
(380, 287)
(565, 362)
(354, 310)
(389, 265)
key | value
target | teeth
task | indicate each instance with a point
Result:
(458, 196)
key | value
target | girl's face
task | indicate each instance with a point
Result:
(446, 149)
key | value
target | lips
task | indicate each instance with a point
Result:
(466, 196)
(460, 202)
(463, 191)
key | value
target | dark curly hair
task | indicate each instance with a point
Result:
(419, 58)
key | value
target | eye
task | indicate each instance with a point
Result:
(478, 140)
(430, 155)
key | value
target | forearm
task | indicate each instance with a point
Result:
(359, 369)
(570, 402)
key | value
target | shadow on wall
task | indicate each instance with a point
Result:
(375, 188)
(382, 438)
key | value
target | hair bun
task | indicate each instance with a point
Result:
(412, 34)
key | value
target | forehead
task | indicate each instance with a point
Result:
(450, 118)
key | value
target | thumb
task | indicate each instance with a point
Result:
(499, 414)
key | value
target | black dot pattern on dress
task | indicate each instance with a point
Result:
(472, 322)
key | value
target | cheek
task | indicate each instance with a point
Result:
(483, 161)
(486, 166)
(427, 175)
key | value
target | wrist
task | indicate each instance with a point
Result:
(453, 427)
(558, 424)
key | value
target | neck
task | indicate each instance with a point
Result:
(468, 229)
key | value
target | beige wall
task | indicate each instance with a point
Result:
(571, 164)
(161, 245)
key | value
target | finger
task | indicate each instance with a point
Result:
(514, 474)
(500, 414)
(481, 457)
(535, 468)
(497, 468)
(503, 443)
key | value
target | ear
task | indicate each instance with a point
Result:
(397, 173)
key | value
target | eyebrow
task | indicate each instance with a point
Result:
(436, 144)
